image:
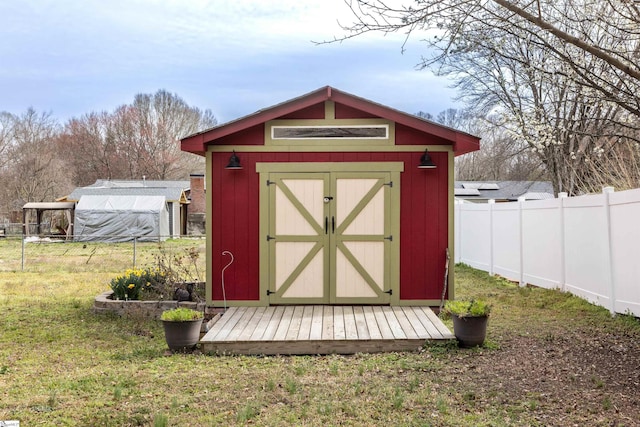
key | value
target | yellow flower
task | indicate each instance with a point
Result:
(131, 285)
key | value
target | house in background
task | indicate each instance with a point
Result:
(502, 191)
(329, 198)
(183, 200)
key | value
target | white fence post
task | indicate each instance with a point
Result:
(563, 239)
(492, 202)
(457, 253)
(521, 201)
(609, 261)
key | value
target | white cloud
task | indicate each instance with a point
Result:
(75, 56)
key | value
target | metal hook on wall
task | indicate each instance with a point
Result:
(224, 295)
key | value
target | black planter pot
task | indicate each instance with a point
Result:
(470, 331)
(182, 335)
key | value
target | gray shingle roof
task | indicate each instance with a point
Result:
(503, 190)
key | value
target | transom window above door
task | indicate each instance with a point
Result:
(330, 132)
(310, 132)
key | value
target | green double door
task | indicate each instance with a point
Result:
(329, 238)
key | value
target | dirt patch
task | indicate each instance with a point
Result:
(574, 377)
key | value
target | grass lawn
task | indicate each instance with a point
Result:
(550, 359)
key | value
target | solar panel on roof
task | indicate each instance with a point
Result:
(489, 186)
(466, 192)
(471, 185)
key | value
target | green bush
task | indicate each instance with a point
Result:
(467, 308)
(181, 314)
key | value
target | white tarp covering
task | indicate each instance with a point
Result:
(121, 218)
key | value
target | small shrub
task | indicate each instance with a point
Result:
(181, 314)
(470, 308)
(133, 282)
(170, 274)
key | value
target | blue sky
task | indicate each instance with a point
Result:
(71, 57)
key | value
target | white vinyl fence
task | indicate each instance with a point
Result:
(587, 245)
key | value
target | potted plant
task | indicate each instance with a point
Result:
(469, 321)
(182, 327)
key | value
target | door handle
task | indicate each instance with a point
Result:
(326, 224)
(333, 224)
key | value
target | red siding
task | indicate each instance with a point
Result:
(423, 229)
(423, 222)
(250, 136)
(408, 136)
(314, 112)
(346, 112)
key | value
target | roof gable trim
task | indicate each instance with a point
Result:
(462, 143)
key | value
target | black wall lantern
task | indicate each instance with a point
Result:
(234, 162)
(426, 162)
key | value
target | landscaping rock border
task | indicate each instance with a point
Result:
(104, 303)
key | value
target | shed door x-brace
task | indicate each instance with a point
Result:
(330, 236)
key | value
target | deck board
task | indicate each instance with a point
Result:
(361, 323)
(442, 329)
(405, 324)
(283, 326)
(316, 329)
(235, 316)
(417, 326)
(296, 321)
(385, 329)
(260, 329)
(338, 323)
(243, 323)
(327, 322)
(305, 324)
(394, 324)
(316, 323)
(272, 327)
(427, 323)
(372, 323)
(350, 328)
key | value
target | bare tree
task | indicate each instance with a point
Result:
(6, 137)
(140, 139)
(90, 148)
(619, 168)
(33, 170)
(502, 157)
(561, 121)
(163, 119)
(560, 77)
(596, 42)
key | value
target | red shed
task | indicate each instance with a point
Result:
(329, 198)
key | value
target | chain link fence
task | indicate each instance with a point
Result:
(55, 254)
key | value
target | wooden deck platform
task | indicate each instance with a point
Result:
(322, 329)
